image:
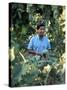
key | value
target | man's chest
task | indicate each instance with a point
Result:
(40, 44)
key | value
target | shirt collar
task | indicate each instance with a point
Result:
(39, 37)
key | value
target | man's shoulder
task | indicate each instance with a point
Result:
(33, 38)
(45, 37)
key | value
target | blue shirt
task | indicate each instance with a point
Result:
(39, 45)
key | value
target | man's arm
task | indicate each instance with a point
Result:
(49, 45)
(33, 52)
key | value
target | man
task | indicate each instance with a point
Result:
(39, 43)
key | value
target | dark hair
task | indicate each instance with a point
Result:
(40, 24)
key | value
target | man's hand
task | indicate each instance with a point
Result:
(45, 54)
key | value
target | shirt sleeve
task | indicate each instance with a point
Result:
(49, 46)
(30, 45)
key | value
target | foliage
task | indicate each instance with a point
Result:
(35, 71)
(29, 70)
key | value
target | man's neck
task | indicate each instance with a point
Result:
(41, 36)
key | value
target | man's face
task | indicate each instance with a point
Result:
(41, 31)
